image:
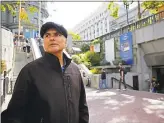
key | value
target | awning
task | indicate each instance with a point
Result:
(154, 59)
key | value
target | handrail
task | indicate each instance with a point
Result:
(112, 78)
(35, 49)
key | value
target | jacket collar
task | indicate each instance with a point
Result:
(54, 61)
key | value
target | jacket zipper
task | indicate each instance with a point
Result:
(41, 120)
(66, 96)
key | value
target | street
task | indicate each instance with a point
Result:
(112, 106)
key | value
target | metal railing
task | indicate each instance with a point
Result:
(35, 49)
(136, 25)
(152, 19)
(116, 80)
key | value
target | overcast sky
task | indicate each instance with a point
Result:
(71, 13)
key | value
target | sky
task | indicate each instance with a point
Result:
(69, 14)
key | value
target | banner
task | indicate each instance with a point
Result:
(126, 49)
(109, 50)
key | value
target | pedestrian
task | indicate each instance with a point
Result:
(24, 46)
(28, 48)
(122, 76)
(103, 80)
(154, 85)
(49, 89)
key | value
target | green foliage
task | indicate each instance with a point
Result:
(113, 9)
(10, 6)
(75, 37)
(3, 9)
(96, 41)
(32, 9)
(76, 59)
(93, 58)
(3, 66)
(95, 71)
(87, 64)
(85, 48)
(152, 6)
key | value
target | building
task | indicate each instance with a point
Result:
(28, 30)
(97, 24)
(100, 22)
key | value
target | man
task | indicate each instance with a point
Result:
(49, 89)
(154, 85)
(122, 76)
(103, 79)
(28, 48)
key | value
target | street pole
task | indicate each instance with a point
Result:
(19, 26)
(127, 4)
(127, 14)
(39, 19)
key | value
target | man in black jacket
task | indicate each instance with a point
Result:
(103, 79)
(49, 89)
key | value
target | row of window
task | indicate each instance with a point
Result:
(34, 20)
(95, 18)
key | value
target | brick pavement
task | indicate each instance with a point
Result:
(112, 106)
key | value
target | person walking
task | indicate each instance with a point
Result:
(28, 47)
(49, 89)
(103, 80)
(122, 76)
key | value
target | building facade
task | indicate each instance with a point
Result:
(100, 22)
(97, 24)
(28, 30)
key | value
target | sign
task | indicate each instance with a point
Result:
(126, 49)
(109, 50)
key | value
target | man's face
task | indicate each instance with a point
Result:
(54, 42)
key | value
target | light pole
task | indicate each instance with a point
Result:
(40, 5)
(127, 4)
(19, 26)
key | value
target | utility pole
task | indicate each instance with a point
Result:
(39, 13)
(127, 4)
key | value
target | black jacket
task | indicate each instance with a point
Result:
(103, 75)
(43, 94)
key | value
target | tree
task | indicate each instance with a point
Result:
(75, 37)
(85, 48)
(12, 8)
(152, 6)
(113, 9)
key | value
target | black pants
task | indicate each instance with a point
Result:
(28, 49)
(123, 83)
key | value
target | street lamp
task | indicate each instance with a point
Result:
(40, 16)
(126, 5)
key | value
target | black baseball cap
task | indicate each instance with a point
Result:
(51, 25)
